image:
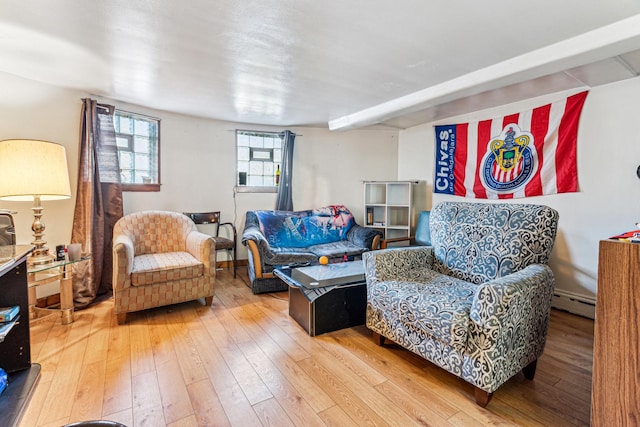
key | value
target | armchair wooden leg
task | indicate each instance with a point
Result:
(235, 263)
(482, 397)
(377, 338)
(529, 371)
(208, 301)
(121, 318)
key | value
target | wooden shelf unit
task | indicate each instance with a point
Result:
(388, 207)
(15, 350)
(615, 396)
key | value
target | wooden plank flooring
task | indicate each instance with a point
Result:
(245, 362)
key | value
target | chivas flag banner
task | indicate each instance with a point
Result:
(531, 153)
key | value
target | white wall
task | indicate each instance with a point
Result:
(608, 202)
(31, 110)
(198, 168)
(197, 160)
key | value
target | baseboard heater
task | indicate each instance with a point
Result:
(574, 303)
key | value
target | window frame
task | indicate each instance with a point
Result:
(276, 162)
(141, 187)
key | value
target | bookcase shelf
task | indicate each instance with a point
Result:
(6, 327)
(388, 207)
(15, 350)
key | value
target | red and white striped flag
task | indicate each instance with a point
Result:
(531, 153)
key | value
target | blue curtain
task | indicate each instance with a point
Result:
(284, 201)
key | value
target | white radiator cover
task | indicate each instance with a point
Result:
(574, 303)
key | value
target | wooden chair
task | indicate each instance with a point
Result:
(7, 228)
(222, 243)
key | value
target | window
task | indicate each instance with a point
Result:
(259, 158)
(138, 141)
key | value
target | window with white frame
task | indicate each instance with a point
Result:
(259, 156)
(138, 141)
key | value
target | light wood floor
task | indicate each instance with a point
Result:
(245, 362)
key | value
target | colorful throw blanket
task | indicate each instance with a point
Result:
(305, 228)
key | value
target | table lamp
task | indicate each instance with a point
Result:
(34, 170)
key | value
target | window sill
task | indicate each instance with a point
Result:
(248, 189)
(140, 187)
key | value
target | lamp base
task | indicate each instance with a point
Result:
(40, 254)
(40, 258)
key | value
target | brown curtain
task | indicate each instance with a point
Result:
(98, 202)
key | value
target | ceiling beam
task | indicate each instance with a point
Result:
(604, 42)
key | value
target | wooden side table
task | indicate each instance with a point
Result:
(42, 274)
(615, 396)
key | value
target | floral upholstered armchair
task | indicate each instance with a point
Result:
(477, 302)
(160, 258)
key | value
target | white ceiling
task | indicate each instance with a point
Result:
(304, 62)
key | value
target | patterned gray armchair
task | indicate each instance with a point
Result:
(477, 302)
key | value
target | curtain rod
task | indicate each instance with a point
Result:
(138, 114)
(260, 131)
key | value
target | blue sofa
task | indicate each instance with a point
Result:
(477, 302)
(280, 238)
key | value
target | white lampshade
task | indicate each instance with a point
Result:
(31, 168)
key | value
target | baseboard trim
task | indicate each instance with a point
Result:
(228, 264)
(574, 303)
(49, 301)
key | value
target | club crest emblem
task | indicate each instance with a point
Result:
(510, 160)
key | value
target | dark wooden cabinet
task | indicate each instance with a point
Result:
(615, 395)
(15, 349)
(340, 308)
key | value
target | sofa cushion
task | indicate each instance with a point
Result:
(305, 228)
(437, 304)
(288, 256)
(163, 267)
(337, 249)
